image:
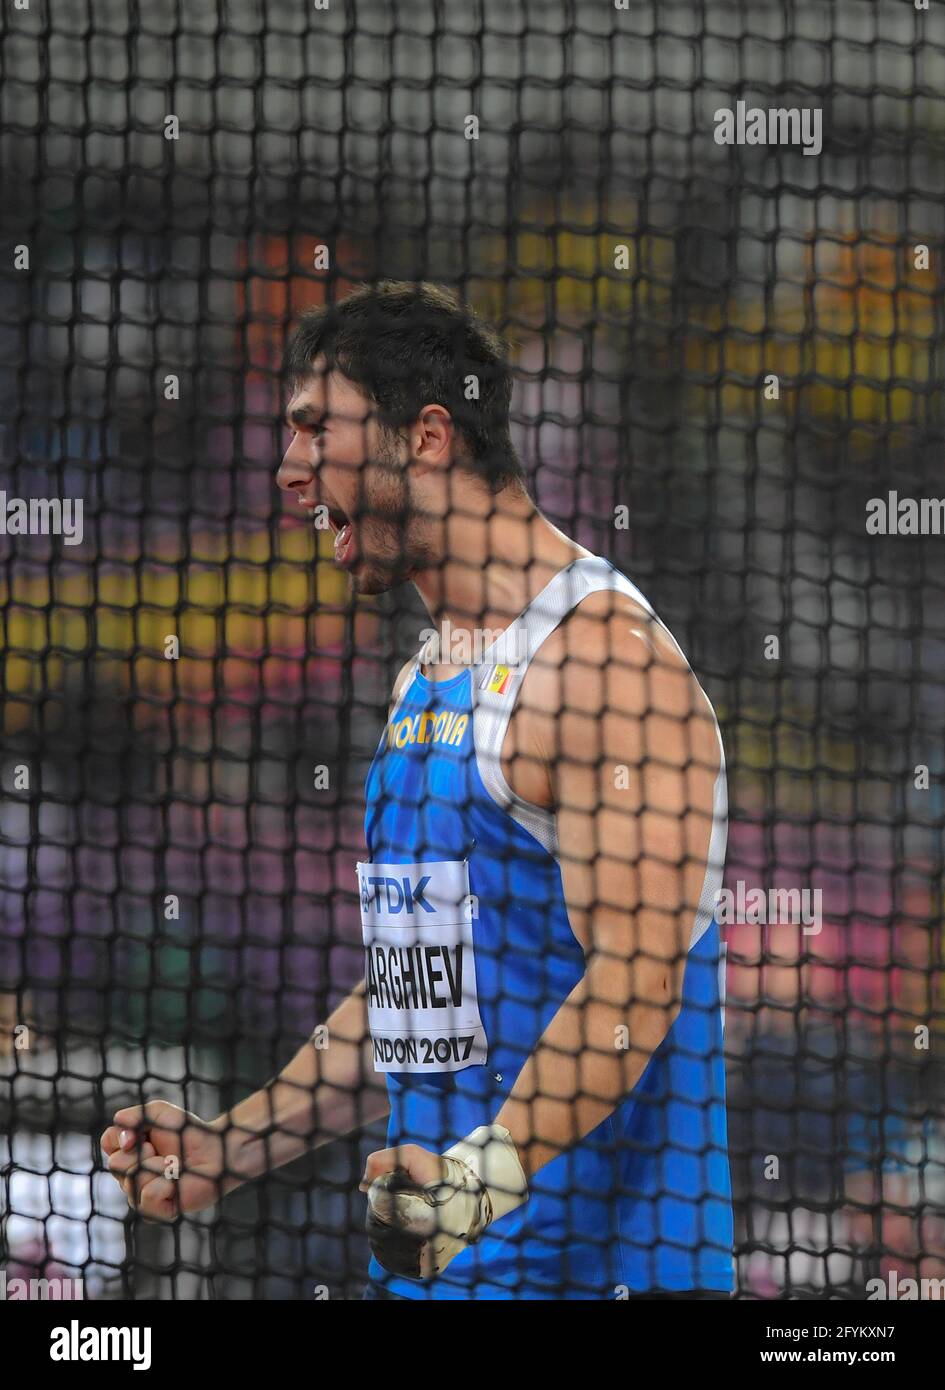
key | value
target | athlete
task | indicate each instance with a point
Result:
(541, 1016)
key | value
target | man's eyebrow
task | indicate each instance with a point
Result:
(303, 415)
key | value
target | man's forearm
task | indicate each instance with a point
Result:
(578, 1075)
(323, 1093)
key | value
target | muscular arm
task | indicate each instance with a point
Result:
(328, 1089)
(170, 1162)
(321, 1095)
(632, 759)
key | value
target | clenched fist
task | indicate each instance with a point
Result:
(167, 1161)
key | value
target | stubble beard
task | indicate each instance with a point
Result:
(393, 535)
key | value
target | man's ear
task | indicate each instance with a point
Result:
(432, 435)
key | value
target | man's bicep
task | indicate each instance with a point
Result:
(634, 805)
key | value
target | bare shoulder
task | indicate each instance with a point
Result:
(607, 654)
(611, 680)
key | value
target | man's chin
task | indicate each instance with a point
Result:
(368, 582)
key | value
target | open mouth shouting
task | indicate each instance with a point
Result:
(346, 545)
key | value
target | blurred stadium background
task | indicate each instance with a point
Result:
(343, 129)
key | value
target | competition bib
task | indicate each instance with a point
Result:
(420, 971)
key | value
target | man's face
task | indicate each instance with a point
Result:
(341, 457)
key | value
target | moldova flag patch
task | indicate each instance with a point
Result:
(499, 683)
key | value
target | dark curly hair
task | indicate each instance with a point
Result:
(407, 345)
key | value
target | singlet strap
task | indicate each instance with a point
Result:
(498, 678)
